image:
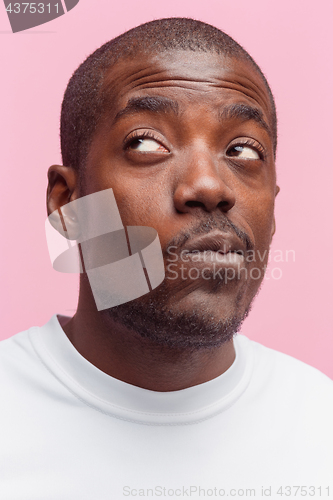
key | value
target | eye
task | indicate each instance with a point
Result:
(243, 152)
(146, 145)
(144, 142)
(248, 150)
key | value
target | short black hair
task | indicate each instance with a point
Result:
(84, 101)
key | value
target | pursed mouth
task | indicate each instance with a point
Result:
(220, 252)
(231, 257)
(219, 243)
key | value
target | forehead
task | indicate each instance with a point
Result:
(188, 77)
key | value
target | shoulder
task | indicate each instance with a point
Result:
(19, 360)
(288, 368)
(290, 385)
(21, 346)
(16, 347)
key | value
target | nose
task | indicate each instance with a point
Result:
(205, 183)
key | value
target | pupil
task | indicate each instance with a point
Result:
(136, 143)
(235, 150)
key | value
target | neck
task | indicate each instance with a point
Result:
(125, 355)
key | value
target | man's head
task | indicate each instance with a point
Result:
(179, 121)
(85, 99)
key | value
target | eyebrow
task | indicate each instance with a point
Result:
(244, 112)
(161, 104)
(154, 104)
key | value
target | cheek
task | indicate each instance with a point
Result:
(138, 205)
(258, 213)
(141, 198)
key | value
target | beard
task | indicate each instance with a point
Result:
(192, 330)
(156, 316)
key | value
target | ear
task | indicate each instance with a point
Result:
(62, 189)
(277, 190)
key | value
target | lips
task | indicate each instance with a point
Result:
(222, 243)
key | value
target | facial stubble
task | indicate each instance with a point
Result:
(159, 318)
(156, 320)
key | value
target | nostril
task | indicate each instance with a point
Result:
(223, 204)
(194, 204)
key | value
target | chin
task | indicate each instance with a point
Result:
(190, 320)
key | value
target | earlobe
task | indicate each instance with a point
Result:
(64, 220)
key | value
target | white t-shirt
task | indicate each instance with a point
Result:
(68, 431)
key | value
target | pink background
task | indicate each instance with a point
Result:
(292, 42)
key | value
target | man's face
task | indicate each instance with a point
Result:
(186, 146)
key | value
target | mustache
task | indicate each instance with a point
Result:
(206, 225)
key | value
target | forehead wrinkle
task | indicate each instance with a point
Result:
(144, 78)
(195, 84)
(238, 111)
(115, 79)
(114, 83)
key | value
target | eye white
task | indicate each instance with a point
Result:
(245, 152)
(146, 144)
